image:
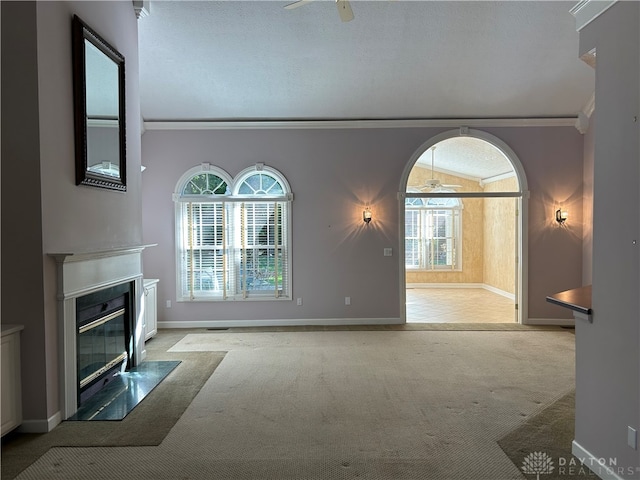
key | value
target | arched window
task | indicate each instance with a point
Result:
(433, 233)
(233, 236)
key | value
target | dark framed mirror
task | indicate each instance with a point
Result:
(99, 110)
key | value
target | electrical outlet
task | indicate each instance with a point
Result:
(168, 303)
(299, 301)
(347, 300)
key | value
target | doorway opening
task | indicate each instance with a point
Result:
(463, 215)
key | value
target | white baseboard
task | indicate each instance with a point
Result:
(490, 288)
(281, 322)
(561, 322)
(503, 293)
(445, 285)
(605, 472)
(40, 426)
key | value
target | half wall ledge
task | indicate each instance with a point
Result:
(577, 299)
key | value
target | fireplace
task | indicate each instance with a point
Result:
(104, 337)
(87, 281)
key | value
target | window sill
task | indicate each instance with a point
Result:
(233, 299)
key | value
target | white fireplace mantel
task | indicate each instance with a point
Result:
(82, 273)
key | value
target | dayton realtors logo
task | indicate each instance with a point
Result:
(537, 463)
(540, 463)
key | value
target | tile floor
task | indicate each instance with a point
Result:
(458, 305)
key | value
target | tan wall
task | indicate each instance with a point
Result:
(488, 234)
(500, 236)
(472, 232)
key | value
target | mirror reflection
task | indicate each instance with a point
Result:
(101, 77)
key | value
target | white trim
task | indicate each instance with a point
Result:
(391, 123)
(103, 122)
(142, 8)
(240, 178)
(444, 285)
(582, 123)
(202, 168)
(586, 11)
(592, 462)
(561, 322)
(82, 273)
(403, 195)
(497, 291)
(496, 178)
(426, 166)
(280, 322)
(590, 106)
(40, 426)
(522, 235)
(484, 286)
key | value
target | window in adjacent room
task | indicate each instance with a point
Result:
(233, 235)
(433, 233)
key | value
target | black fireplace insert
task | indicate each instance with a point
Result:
(105, 337)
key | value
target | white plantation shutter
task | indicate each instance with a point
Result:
(263, 254)
(202, 249)
(433, 232)
(235, 247)
(413, 238)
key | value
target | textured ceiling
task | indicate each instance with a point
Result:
(246, 60)
(255, 60)
(467, 156)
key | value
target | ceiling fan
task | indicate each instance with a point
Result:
(434, 183)
(344, 8)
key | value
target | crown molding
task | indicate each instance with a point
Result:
(343, 124)
(586, 11)
(497, 178)
(589, 58)
(142, 8)
(584, 116)
(426, 165)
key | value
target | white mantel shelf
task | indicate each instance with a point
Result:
(89, 255)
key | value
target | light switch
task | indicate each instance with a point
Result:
(388, 251)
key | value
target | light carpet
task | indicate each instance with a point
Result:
(340, 405)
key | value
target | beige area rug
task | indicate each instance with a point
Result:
(341, 405)
(148, 423)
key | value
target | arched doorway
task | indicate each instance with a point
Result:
(483, 174)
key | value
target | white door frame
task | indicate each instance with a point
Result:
(522, 219)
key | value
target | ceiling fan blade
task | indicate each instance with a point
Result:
(297, 4)
(344, 10)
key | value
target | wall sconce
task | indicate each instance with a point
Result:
(561, 216)
(366, 215)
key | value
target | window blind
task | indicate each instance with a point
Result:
(234, 249)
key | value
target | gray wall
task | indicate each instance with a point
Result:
(22, 269)
(334, 174)
(607, 368)
(38, 169)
